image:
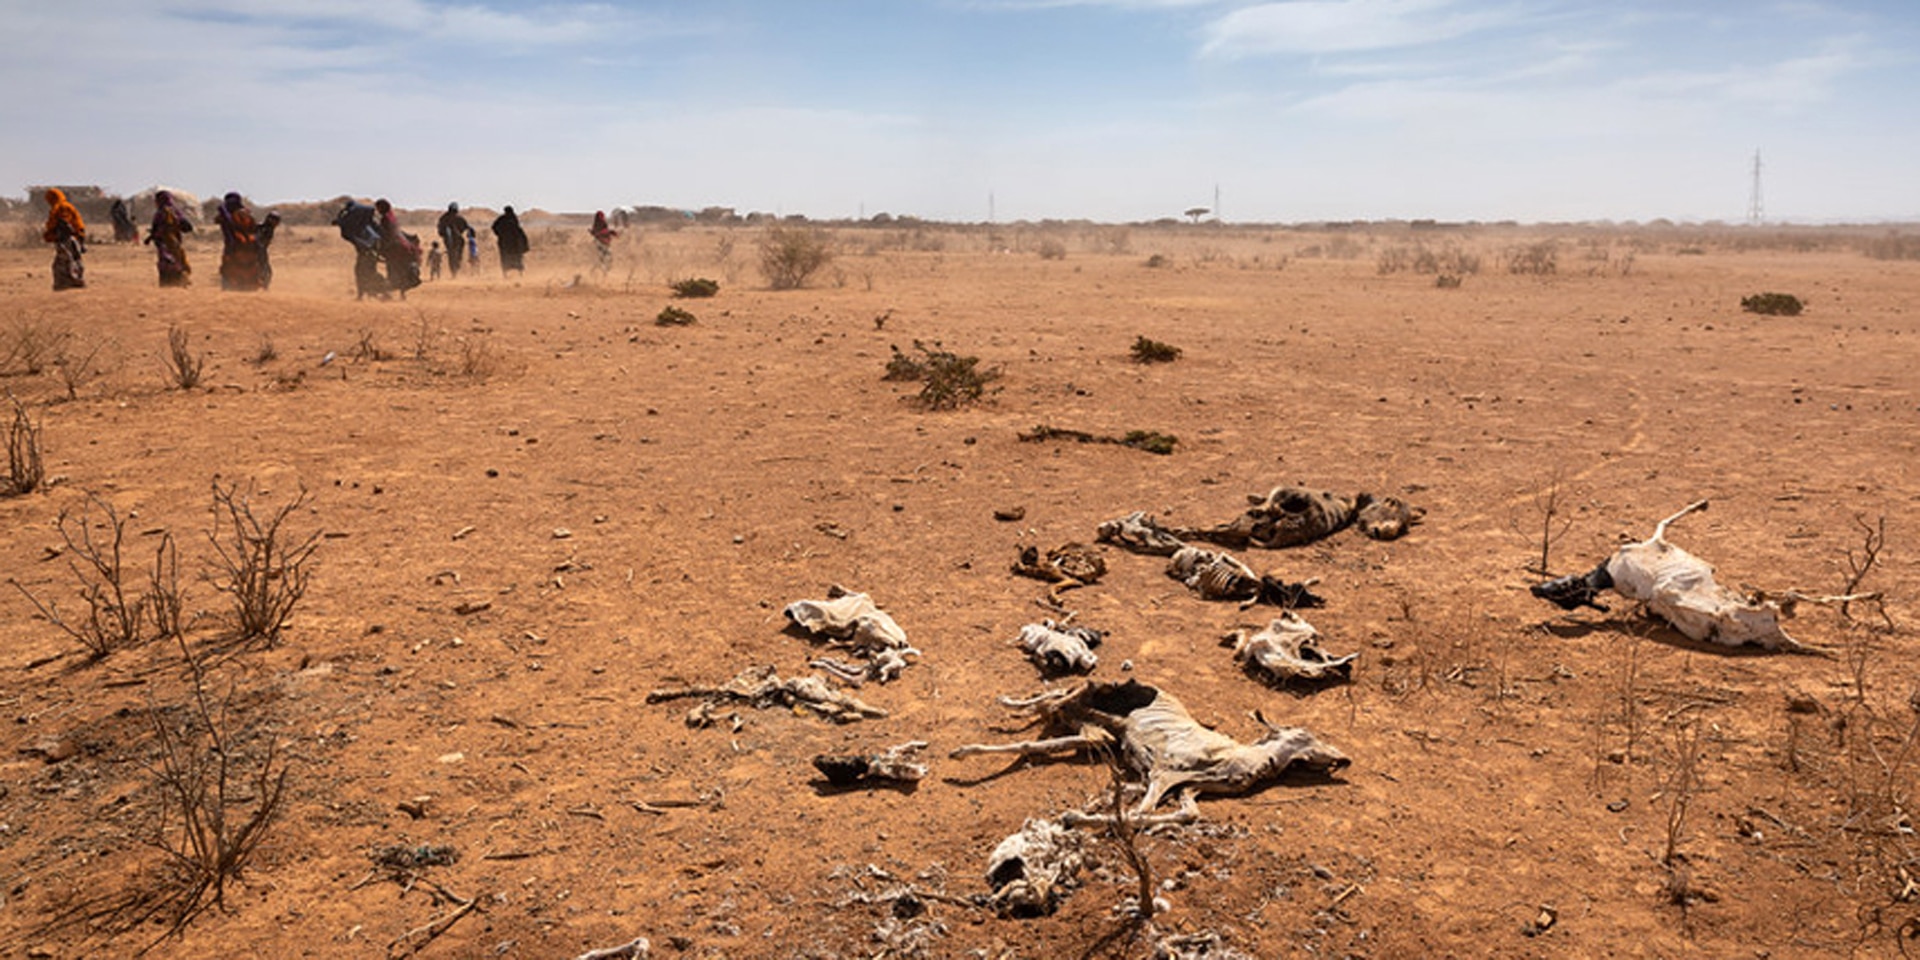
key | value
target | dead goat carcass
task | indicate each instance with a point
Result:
(1160, 740)
(852, 621)
(1288, 648)
(1216, 575)
(1284, 517)
(1066, 566)
(1030, 872)
(1385, 518)
(1057, 648)
(896, 764)
(1139, 533)
(762, 687)
(1679, 588)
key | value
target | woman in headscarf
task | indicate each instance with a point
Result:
(359, 226)
(168, 236)
(68, 234)
(400, 249)
(242, 261)
(124, 229)
(603, 240)
(453, 230)
(512, 242)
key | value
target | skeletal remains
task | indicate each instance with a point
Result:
(896, 764)
(1679, 588)
(1288, 648)
(1220, 576)
(1031, 871)
(1160, 740)
(1288, 516)
(851, 621)
(762, 687)
(1066, 566)
(1057, 648)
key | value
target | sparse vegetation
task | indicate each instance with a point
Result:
(31, 344)
(672, 316)
(1051, 249)
(1153, 351)
(696, 288)
(1156, 261)
(477, 358)
(264, 352)
(1534, 259)
(77, 365)
(26, 467)
(113, 617)
(949, 380)
(184, 367)
(260, 564)
(1151, 441)
(1447, 281)
(1420, 258)
(789, 255)
(1772, 304)
(367, 348)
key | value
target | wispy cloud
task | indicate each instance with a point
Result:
(1345, 26)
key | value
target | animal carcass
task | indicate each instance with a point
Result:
(896, 764)
(1160, 740)
(1139, 533)
(1385, 518)
(852, 621)
(1031, 871)
(1066, 566)
(1058, 648)
(1288, 648)
(1679, 588)
(1284, 517)
(1216, 575)
(762, 687)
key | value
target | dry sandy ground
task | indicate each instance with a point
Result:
(1506, 760)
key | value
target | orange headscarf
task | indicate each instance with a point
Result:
(59, 211)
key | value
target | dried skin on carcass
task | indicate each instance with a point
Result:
(1059, 649)
(1139, 533)
(762, 687)
(852, 621)
(1216, 575)
(1386, 518)
(1288, 648)
(1030, 872)
(1285, 517)
(897, 764)
(1160, 740)
(1066, 566)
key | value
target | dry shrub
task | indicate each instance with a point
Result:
(696, 288)
(367, 348)
(264, 352)
(790, 254)
(260, 564)
(77, 365)
(1157, 261)
(1447, 281)
(1534, 259)
(183, 366)
(1051, 249)
(1153, 351)
(1893, 246)
(1772, 304)
(478, 360)
(113, 617)
(949, 380)
(672, 316)
(30, 344)
(1422, 259)
(26, 470)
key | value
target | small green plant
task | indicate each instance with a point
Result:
(1772, 304)
(672, 316)
(791, 254)
(1153, 351)
(696, 288)
(950, 380)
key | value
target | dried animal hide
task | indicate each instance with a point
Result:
(894, 765)
(1386, 518)
(762, 687)
(1139, 533)
(1160, 740)
(1066, 566)
(852, 621)
(1059, 649)
(1679, 588)
(1288, 648)
(1218, 575)
(1031, 871)
(1285, 517)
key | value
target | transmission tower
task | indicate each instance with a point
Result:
(1756, 209)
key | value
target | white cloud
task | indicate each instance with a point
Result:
(1344, 26)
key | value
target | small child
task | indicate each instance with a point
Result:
(433, 261)
(473, 247)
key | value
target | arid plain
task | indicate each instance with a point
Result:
(534, 505)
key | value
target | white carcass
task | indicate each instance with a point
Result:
(1160, 740)
(1288, 648)
(852, 621)
(1057, 648)
(1031, 871)
(1679, 588)
(1218, 575)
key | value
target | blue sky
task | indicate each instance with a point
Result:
(1103, 109)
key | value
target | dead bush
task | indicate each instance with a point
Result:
(1051, 249)
(112, 617)
(949, 380)
(1534, 259)
(791, 254)
(26, 470)
(367, 348)
(183, 366)
(671, 316)
(30, 344)
(77, 365)
(1153, 351)
(478, 360)
(1772, 304)
(696, 288)
(260, 564)
(265, 352)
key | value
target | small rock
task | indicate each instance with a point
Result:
(469, 607)
(455, 757)
(561, 533)
(737, 538)
(1010, 514)
(416, 807)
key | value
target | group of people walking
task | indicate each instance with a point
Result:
(244, 264)
(374, 231)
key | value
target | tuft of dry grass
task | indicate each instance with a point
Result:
(26, 468)
(183, 366)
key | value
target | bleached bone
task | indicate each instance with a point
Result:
(1286, 517)
(1161, 741)
(1385, 518)
(1679, 588)
(852, 621)
(895, 764)
(1217, 575)
(1139, 533)
(1188, 812)
(1288, 648)
(1058, 648)
(762, 687)
(1031, 871)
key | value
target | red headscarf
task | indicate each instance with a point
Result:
(59, 211)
